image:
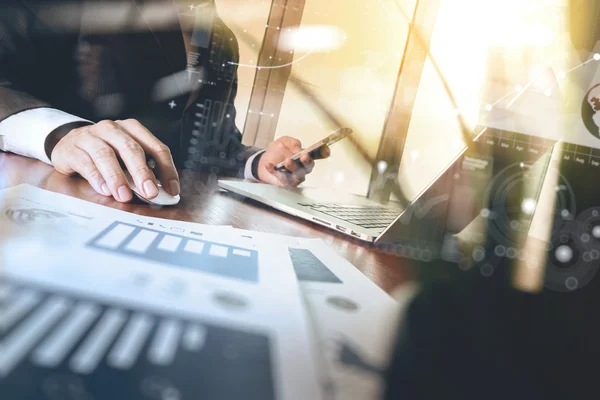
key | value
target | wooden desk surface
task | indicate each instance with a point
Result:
(202, 203)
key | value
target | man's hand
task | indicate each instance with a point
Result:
(92, 152)
(280, 150)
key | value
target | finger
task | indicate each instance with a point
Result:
(307, 162)
(282, 150)
(279, 153)
(105, 159)
(272, 176)
(82, 163)
(60, 160)
(294, 145)
(132, 154)
(291, 165)
(167, 173)
(324, 152)
(290, 180)
(297, 177)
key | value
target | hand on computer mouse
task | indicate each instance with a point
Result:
(93, 151)
(162, 199)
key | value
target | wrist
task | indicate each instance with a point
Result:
(255, 164)
(57, 134)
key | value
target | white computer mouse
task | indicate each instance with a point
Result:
(163, 198)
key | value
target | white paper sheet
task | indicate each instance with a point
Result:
(136, 282)
(355, 320)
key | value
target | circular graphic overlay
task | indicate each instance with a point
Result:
(342, 303)
(487, 270)
(588, 223)
(510, 208)
(590, 111)
(65, 386)
(571, 262)
(158, 388)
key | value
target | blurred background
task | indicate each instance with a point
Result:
(349, 53)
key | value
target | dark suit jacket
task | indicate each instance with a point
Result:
(105, 62)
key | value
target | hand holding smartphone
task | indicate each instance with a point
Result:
(315, 149)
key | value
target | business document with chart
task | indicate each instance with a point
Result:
(97, 303)
(351, 314)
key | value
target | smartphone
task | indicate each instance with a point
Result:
(316, 148)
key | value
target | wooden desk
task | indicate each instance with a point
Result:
(202, 203)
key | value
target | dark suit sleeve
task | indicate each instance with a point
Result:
(16, 50)
(211, 139)
(237, 150)
(216, 145)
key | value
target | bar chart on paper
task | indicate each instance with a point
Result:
(153, 245)
(58, 346)
(309, 268)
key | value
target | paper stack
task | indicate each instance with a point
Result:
(97, 303)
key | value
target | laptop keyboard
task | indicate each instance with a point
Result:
(371, 217)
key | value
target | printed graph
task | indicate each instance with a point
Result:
(152, 245)
(57, 346)
(309, 268)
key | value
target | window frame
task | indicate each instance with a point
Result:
(270, 84)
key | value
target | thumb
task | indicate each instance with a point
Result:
(268, 174)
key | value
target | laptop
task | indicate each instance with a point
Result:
(426, 220)
(429, 217)
(354, 215)
(434, 212)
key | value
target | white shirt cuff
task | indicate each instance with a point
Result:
(25, 133)
(248, 170)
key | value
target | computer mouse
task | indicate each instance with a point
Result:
(163, 198)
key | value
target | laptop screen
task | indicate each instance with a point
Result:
(524, 90)
(534, 80)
